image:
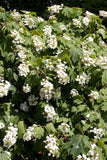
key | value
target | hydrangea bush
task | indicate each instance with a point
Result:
(53, 85)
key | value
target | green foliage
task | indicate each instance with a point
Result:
(53, 85)
(76, 145)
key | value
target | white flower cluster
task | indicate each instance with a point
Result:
(103, 13)
(86, 21)
(101, 31)
(76, 22)
(32, 100)
(91, 155)
(50, 113)
(40, 19)
(82, 79)
(11, 136)
(55, 8)
(23, 69)
(82, 157)
(52, 42)
(4, 87)
(74, 92)
(52, 146)
(98, 133)
(64, 128)
(30, 134)
(27, 88)
(47, 30)
(62, 27)
(89, 39)
(102, 62)
(61, 73)
(28, 21)
(38, 44)
(93, 95)
(89, 14)
(24, 107)
(16, 15)
(47, 91)
(17, 38)
(21, 52)
(2, 125)
(49, 64)
(87, 60)
(53, 18)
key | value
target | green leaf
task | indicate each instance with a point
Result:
(105, 150)
(13, 119)
(21, 129)
(1, 69)
(76, 145)
(75, 53)
(15, 76)
(104, 106)
(39, 132)
(104, 77)
(50, 128)
(81, 108)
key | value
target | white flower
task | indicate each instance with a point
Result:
(98, 133)
(30, 134)
(61, 73)
(87, 60)
(53, 18)
(52, 146)
(76, 22)
(64, 128)
(4, 87)
(32, 100)
(26, 88)
(102, 62)
(55, 8)
(47, 30)
(74, 92)
(23, 69)
(82, 79)
(89, 14)
(89, 39)
(62, 27)
(38, 44)
(24, 107)
(50, 113)
(101, 31)
(16, 37)
(103, 13)
(40, 19)
(93, 95)
(49, 64)
(16, 15)
(28, 21)
(2, 125)
(86, 21)
(52, 42)
(46, 91)
(10, 137)
(21, 52)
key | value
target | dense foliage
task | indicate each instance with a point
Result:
(53, 85)
(40, 6)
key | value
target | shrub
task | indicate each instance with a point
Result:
(53, 85)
